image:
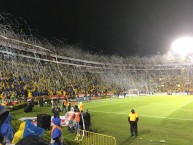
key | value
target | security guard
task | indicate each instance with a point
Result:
(133, 119)
(81, 107)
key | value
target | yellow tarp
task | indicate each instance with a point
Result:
(19, 134)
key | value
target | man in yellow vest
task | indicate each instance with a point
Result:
(133, 119)
(81, 107)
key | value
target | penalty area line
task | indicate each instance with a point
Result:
(159, 117)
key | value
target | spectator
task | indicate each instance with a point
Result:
(76, 109)
(56, 111)
(87, 120)
(69, 106)
(32, 102)
(41, 101)
(64, 105)
(77, 119)
(56, 132)
(6, 131)
(70, 117)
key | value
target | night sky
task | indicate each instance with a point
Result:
(110, 27)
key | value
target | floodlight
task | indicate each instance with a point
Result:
(183, 46)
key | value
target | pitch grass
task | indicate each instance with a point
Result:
(168, 118)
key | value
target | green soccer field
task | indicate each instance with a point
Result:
(168, 118)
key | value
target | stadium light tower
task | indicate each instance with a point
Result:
(183, 46)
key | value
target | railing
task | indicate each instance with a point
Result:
(90, 138)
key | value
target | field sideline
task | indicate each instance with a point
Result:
(166, 118)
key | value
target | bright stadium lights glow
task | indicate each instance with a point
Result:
(183, 46)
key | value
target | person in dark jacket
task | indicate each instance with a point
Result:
(69, 106)
(56, 111)
(41, 101)
(76, 109)
(87, 120)
(64, 105)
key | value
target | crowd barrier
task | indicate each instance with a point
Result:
(90, 138)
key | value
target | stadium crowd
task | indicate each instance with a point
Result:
(25, 74)
(20, 81)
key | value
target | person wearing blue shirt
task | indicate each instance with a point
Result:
(6, 131)
(56, 132)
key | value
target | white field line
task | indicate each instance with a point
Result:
(186, 103)
(159, 117)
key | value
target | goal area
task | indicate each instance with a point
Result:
(133, 92)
